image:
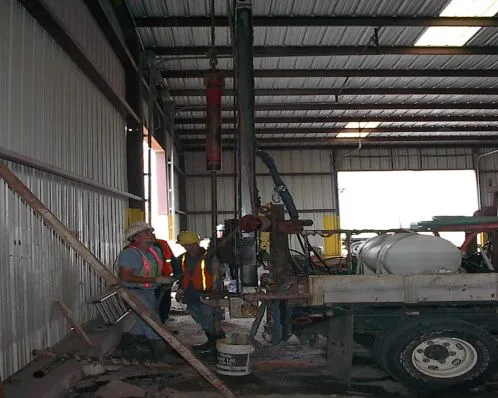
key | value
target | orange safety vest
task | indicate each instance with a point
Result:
(166, 269)
(145, 263)
(199, 277)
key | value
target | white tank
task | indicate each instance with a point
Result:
(408, 254)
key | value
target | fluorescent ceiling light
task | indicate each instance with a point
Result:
(357, 125)
(343, 134)
(456, 35)
(361, 125)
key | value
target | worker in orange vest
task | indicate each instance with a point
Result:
(195, 265)
(168, 269)
(140, 269)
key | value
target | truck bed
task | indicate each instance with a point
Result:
(411, 289)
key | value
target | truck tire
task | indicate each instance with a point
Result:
(436, 355)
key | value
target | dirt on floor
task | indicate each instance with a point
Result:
(290, 369)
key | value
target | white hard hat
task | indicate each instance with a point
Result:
(136, 228)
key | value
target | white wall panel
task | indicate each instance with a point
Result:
(437, 158)
(76, 18)
(51, 112)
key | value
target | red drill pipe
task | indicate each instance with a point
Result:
(214, 82)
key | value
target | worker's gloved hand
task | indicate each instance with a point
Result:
(179, 295)
(165, 280)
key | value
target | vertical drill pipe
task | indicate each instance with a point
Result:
(135, 304)
(214, 83)
(247, 142)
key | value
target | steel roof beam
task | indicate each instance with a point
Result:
(299, 143)
(270, 92)
(311, 51)
(100, 15)
(350, 119)
(332, 106)
(271, 73)
(152, 22)
(335, 130)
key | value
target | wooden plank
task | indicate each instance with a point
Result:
(128, 296)
(66, 312)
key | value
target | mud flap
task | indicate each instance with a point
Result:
(340, 347)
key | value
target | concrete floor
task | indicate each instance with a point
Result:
(290, 369)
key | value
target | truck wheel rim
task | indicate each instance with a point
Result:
(444, 357)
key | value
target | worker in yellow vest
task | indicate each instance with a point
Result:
(196, 278)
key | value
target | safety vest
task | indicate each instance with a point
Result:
(199, 277)
(146, 270)
(166, 269)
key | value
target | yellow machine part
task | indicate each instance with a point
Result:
(332, 245)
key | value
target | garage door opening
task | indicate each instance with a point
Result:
(158, 212)
(396, 199)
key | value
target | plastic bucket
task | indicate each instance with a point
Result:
(233, 359)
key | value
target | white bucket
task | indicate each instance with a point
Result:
(233, 359)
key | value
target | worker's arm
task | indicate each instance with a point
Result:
(130, 264)
(175, 265)
(127, 275)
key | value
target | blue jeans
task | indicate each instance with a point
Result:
(164, 303)
(140, 328)
(203, 315)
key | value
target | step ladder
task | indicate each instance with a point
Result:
(111, 308)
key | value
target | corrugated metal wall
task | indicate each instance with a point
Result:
(307, 174)
(51, 112)
(436, 158)
(488, 172)
(75, 17)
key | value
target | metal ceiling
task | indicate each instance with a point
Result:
(316, 69)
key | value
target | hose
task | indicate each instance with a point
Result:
(279, 184)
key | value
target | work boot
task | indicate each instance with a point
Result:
(134, 347)
(164, 353)
(209, 347)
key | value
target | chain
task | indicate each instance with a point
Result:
(213, 60)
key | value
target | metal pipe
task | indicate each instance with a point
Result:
(324, 51)
(278, 92)
(234, 106)
(247, 142)
(214, 208)
(478, 176)
(306, 21)
(37, 165)
(274, 296)
(348, 72)
(43, 371)
(127, 295)
(360, 119)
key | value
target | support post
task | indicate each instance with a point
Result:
(340, 347)
(134, 148)
(332, 245)
(246, 148)
(128, 296)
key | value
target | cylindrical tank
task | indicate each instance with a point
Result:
(408, 254)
